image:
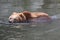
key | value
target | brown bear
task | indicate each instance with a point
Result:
(26, 15)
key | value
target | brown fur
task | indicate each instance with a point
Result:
(26, 16)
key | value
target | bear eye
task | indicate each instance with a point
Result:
(14, 19)
(10, 18)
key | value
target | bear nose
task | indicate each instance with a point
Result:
(10, 21)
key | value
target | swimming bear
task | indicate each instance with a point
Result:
(27, 16)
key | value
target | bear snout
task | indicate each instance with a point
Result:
(9, 21)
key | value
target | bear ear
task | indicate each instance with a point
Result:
(14, 13)
(27, 12)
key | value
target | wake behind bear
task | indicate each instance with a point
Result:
(27, 16)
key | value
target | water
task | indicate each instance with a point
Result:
(33, 31)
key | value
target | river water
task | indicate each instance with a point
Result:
(34, 31)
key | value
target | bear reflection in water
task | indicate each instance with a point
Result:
(41, 20)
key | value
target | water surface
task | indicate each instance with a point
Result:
(33, 31)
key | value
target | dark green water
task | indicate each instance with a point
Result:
(37, 31)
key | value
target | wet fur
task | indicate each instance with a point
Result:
(26, 15)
